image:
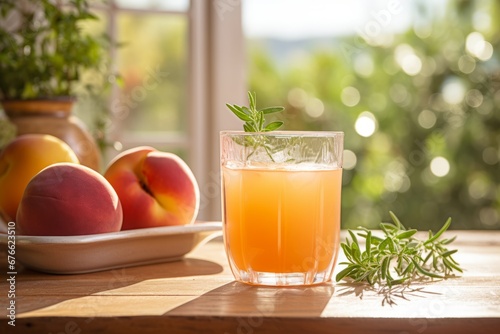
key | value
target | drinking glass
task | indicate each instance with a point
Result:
(281, 205)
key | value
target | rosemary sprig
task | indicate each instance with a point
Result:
(253, 117)
(397, 257)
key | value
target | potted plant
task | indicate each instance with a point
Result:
(43, 53)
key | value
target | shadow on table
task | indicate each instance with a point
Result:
(60, 288)
(389, 295)
(255, 302)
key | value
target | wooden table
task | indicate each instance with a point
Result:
(199, 295)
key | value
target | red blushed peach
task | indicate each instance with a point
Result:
(20, 160)
(69, 199)
(155, 188)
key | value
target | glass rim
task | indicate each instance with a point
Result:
(284, 133)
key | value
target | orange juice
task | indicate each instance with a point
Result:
(282, 220)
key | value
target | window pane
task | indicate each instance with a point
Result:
(94, 88)
(152, 63)
(173, 5)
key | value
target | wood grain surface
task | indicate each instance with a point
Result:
(199, 295)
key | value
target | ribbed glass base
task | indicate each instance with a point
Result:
(281, 279)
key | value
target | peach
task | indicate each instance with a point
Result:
(155, 188)
(20, 160)
(69, 199)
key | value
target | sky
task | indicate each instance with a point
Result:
(299, 19)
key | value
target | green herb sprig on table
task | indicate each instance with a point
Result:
(253, 117)
(397, 257)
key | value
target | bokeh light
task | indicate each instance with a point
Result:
(423, 31)
(315, 107)
(440, 166)
(366, 124)
(363, 65)
(478, 187)
(395, 177)
(427, 119)
(489, 216)
(453, 91)
(477, 46)
(474, 98)
(350, 160)
(398, 93)
(410, 63)
(481, 20)
(491, 156)
(297, 97)
(350, 96)
(466, 64)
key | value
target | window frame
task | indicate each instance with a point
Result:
(216, 74)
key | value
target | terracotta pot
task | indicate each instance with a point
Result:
(53, 116)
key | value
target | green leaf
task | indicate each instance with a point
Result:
(452, 265)
(251, 99)
(353, 236)
(396, 221)
(247, 128)
(375, 240)
(260, 121)
(240, 114)
(448, 253)
(254, 119)
(271, 110)
(347, 252)
(384, 244)
(409, 268)
(397, 281)
(273, 126)
(406, 234)
(427, 258)
(441, 231)
(368, 244)
(425, 272)
(448, 241)
(344, 273)
(246, 110)
(385, 267)
(452, 260)
(388, 227)
(392, 245)
(355, 252)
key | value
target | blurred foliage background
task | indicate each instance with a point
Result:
(420, 111)
(149, 72)
(420, 108)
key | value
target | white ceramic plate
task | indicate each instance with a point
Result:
(89, 253)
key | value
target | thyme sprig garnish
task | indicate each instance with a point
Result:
(397, 257)
(255, 122)
(255, 118)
